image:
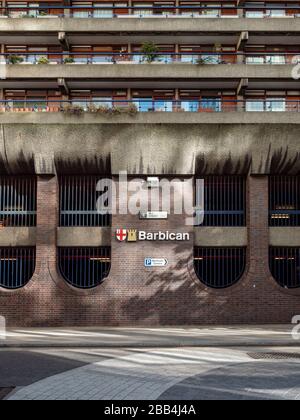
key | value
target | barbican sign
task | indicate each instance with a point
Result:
(133, 235)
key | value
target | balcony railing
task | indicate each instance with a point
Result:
(119, 11)
(131, 107)
(199, 58)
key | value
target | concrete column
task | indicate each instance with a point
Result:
(47, 221)
(240, 104)
(258, 229)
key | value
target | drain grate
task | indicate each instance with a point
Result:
(5, 391)
(274, 356)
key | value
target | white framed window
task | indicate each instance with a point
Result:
(276, 105)
(256, 105)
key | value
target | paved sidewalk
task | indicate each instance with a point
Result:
(264, 335)
(170, 374)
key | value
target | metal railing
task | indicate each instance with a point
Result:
(199, 58)
(107, 107)
(161, 11)
(284, 200)
(78, 202)
(17, 266)
(84, 267)
(17, 201)
(219, 268)
(284, 265)
(224, 201)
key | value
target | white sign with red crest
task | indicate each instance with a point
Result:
(121, 235)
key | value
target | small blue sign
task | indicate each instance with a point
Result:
(156, 262)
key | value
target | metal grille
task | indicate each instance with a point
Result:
(284, 201)
(219, 267)
(274, 356)
(17, 266)
(85, 267)
(78, 202)
(285, 266)
(224, 201)
(17, 201)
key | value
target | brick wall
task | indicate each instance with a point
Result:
(136, 296)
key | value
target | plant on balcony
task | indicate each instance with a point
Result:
(201, 61)
(15, 59)
(73, 109)
(69, 60)
(150, 52)
(130, 110)
(43, 60)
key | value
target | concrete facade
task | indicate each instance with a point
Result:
(151, 148)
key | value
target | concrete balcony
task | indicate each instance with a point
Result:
(172, 118)
(150, 24)
(129, 71)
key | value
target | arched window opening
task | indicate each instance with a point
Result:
(219, 268)
(17, 266)
(84, 268)
(285, 266)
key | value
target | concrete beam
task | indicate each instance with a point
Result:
(134, 24)
(17, 236)
(169, 118)
(149, 71)
(220, 236)
(83, 236)
(95, 144)
(285, 236)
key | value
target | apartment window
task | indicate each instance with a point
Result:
(255, 105)
(84, 268)
(275, 10)
(83, 10)
(14, 12)
(78, 202)
(17, 266)
(103, 13)
(211, 104)
(143, 12)
(285, 266)
(219, 268)
(267, 105)
(215, 12)
(17, 201)
(224, 200)
(253, 10)
(284, 200)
